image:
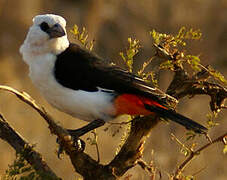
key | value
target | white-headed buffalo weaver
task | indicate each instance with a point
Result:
(81, 84)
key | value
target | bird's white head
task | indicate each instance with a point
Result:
(46, 35)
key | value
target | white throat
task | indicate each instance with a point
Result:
(30, 49)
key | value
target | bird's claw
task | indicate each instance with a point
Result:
(60, 150)
(78, 144)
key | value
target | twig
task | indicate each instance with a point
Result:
(120, 123)
(199, 171)
(146, 167)
(223, 107)
(183, 85)
(194, 153)
(96, 144)
(151, 169)
(145, 64)
(180, 143)
(98, 154)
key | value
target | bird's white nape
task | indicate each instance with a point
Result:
(51, 19)
(38, 43)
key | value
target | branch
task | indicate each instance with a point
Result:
(133, 148)
(130, 152)
(182, 85)
(9, 135)
(82, 162)
(194, 153)
(54, 128)
(151, 169)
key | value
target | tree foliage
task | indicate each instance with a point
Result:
(190, 78)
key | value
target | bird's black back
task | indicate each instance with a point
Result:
(79, 69)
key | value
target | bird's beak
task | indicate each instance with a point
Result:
(56, 31)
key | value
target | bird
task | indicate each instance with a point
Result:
(83, 85)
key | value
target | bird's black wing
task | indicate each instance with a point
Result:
(79, 69)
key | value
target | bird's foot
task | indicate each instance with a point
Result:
(76, 133)
(78, 143)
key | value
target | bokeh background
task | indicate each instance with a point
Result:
(110, 23)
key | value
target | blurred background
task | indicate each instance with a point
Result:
(110, 23)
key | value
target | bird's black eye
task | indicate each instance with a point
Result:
(44, 26)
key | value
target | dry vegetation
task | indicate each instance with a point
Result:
(110, 24)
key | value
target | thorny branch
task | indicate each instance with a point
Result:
(197, 152)
(150, 168)
(132, 149)
(183, 85)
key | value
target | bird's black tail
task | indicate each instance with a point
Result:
(178, 118)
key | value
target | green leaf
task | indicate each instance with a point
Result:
(211, 119)
(194, 61)
(167, 65)
(158, 37)
(217, 75)
(131, 51)
(225, 149)
(185, 151)
(155, 36)
(190, 135)
(20, 169)
(184, 34)
(189, 177)
(82, 37)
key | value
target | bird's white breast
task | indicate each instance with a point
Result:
(78, 103)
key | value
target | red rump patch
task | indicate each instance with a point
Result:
(133, 104)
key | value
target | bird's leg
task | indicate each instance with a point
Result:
(76, 133)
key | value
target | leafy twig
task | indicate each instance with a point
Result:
(82, 37)
(185, 150)
(194, 153)
(94, 141)
(131, 51)
(151, 169)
